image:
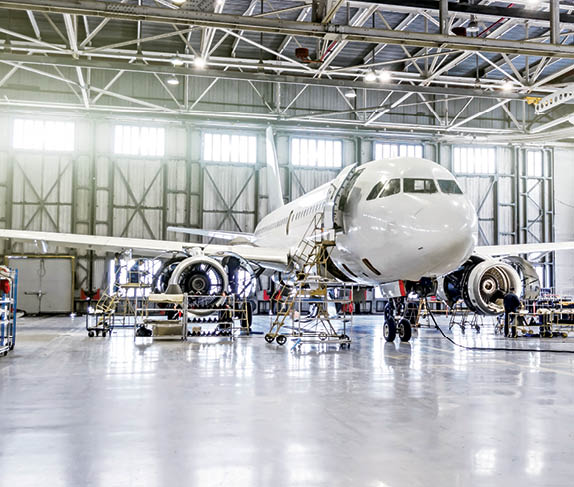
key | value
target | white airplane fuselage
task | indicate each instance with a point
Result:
(418, 226)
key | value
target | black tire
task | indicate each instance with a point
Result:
(91, 334)
(103, 334)
(322, 336)
(281, 339)
(390, 329)
(269, 338)
(405, 330)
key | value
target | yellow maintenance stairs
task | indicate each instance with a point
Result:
(311, 285)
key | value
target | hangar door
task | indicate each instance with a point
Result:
(45, 284)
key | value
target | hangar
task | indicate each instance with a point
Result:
(324, 204)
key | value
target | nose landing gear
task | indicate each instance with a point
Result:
(391, 326)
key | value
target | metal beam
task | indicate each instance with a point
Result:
(243, 76)
(285, 27)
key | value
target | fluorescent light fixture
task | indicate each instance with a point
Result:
(178, 2)
(172, 80)
(199, 62)
(507, 86)
(370, 76)
(350, 93)
(177, 60)
(384, 76)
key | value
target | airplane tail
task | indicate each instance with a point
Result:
(274, 191)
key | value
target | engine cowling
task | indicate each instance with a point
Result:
(204, 280)
(482, 284)
(485, 280)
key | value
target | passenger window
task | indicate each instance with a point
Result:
(449, 186)
(375, 191)
(392, 187)
(412, 185)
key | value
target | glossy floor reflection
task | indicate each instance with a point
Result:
(79, 411)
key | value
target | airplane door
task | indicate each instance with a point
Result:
(333, 219)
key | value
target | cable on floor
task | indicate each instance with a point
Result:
(489, 349)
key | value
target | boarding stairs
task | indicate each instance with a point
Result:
(310, 263)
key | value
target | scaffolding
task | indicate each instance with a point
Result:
(312, 286)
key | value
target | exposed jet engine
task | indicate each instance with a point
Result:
(482, 284)
(204, 279)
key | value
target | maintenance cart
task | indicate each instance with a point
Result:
(8, 300)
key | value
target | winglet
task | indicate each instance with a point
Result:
(275, 194)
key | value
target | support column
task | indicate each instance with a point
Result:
(443, 16)
(555, 21)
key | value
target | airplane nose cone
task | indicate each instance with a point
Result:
(447, 237)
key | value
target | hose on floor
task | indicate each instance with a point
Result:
(489, 349)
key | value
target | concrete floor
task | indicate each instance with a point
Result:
(78, 411)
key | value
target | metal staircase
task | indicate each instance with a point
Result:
(310, 262)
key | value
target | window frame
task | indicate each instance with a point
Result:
(387, 184)
(41, 145)
(399, 146)
(316, 145)
(435, 186)
(208, 145)
(479, 160)
(160, 142)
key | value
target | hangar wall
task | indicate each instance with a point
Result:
(564, 200)
(93, 190)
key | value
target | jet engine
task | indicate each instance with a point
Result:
(204, 280)
(482, 284)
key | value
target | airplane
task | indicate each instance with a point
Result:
(402, 224)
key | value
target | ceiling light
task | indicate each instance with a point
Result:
(507, 86)
(472, 25)
(177, 60)
(199, 62)
(384, 76)
(370, 76)
(350, 93)
(178, 2)
(172, 80)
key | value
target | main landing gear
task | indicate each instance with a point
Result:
(391, 327)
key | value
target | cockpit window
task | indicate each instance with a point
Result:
(419, 186)
(392, 187)
(449, 186)
(375, 191)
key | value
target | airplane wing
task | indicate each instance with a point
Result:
(118, 244)
(517, 249)
(221, 234)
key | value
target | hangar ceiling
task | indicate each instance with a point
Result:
(468, 68)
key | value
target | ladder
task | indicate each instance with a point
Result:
(310, 263)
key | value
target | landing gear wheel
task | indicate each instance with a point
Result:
(405, 330)
(269, 338)
(281, 339)
(390, 329)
